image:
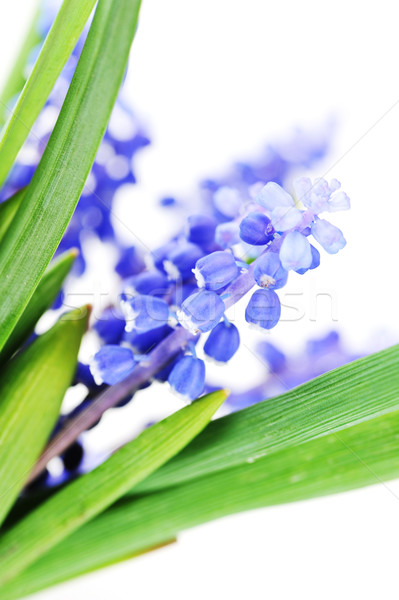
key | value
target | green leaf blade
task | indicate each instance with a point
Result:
(31, 391)
(84, 498)
(359, 456)
(341, 398)
(16, 78)
(42, 299)
(51, 198)
(56, 50)
(8, 210)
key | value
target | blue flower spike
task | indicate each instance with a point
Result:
(143, 313)
(256, 229)
(201, 311)
(111, 364)
(187, 377)
(215, 270)
(264, 309)
(269, 272)
(222, 342)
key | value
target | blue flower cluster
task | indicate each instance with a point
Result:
(194, 278)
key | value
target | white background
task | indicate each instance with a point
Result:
(215, 80)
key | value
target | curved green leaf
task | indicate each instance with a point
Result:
(43, 297)
(361, 455)
(8, 210)
(353, 393)
(31, 391)
(56, 50)
(58, 181)
(87, 496)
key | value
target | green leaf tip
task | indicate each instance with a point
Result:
(54, 53)
(89, 495)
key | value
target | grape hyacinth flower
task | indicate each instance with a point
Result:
(215, 270)
(264, 309)
(203, 271)
(222, 342)
(187, 377)
(111, 364)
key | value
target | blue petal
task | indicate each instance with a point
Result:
(215, 270)
(188, 377)
(181, 260)
(274, 357)
(284, 218)
(227, 234)
(227, 201)
(315, 261)
(256, 229)
(269, 272)
(223, 342)
(111, 364)
(110, 326)
(144, 313)
(151, 283)
(201, 311)
(273, 196)
(264, 309)
(328, 236)
(201, 229)
(295, 252)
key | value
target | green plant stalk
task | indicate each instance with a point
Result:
(87, 496)
(348, 395)
(56, 50)
(31, 391)
(361, 455)
(16, 78)
(42, 299)
(52, 195)
(8, 210)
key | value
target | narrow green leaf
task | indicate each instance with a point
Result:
(58, 181)
(87, 496)
(43, 297)
(16, 78)
(8, 210)
(361, 455)
(31, 391)
(353, 393)
(56, 50)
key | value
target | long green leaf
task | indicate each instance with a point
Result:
(58, 181)
(56, 50)
(8, 210)
(43, 297)
(31, 391)
(87, 496)
(16, 78)
(361, 455)
(353, 393)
